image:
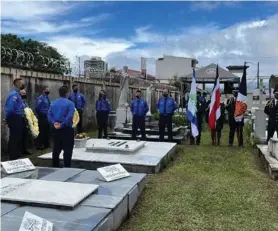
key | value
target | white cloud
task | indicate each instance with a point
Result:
(26, 10)
(29, 18)
(72, 46)
(211, 5)
(254, 41)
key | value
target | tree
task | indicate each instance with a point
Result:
(175, 81)
(14, 42)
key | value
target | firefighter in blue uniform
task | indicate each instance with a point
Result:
(42, 106)
(60, 116)
(166, 106)
(139, 109)
(79, 102)
(25, 131)
(102, 109)
(14, 117)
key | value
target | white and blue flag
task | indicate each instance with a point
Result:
(192, 107)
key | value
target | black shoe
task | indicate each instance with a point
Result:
(27, 153)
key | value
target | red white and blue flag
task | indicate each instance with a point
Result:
(241, 101)
(214, 108)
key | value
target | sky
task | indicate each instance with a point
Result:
(227, 33)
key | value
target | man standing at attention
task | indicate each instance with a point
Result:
(42, 106)
(14, 112)
(233, 124)
(271, 109)
(79, 102)
(166, 106)
(139, 109)
(60, 116)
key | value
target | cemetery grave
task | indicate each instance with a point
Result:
(134, 156)
(267, 152)
(88, 202)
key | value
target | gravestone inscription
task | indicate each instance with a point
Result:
(31, 222)
(112, 172)
(15, 166)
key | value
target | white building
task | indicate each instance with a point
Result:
(170, 66)
(94, 66)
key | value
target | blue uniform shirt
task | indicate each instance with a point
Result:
(78, 99)
(14, 104)
(166, 105)
(61, 111)
(42, 104)
(103, 105)
(24, 104)
(139, 107)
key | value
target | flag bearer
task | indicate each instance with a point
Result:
(166, 106)
(42, 106)
(139, 109)
(102, 109)
(13, 117)
(230, 107)
(271, 109)
(202, 106)
(60, 116)
(79, 102)
(217, 132)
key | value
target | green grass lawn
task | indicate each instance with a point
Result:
(208, 188)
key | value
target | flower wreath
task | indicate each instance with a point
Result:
(75, 118)
(32, 122)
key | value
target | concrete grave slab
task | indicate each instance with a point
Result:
(7, 207)
(149, 159)
(44, 192)
(82, 218)
(118, 205)
(62, 174)
(113, 146)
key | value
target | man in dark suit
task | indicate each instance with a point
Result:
(271, 109)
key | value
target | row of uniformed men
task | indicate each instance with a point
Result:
(59, 114)
(14, 116)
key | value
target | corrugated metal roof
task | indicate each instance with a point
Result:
(210, 72)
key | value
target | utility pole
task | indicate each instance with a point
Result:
(79, 70)
(258, 75)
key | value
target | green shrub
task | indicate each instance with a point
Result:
(180, 120)
(156, 116)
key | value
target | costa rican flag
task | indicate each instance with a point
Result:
(241, 101)
(214, 108)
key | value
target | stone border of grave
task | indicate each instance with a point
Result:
(269, 162)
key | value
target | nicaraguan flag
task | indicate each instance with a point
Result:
(192, 107)
(241, 101)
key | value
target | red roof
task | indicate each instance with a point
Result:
(138, 73)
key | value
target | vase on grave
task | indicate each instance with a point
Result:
(80, 140)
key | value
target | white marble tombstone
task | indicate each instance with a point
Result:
(123, 109)
(260, 124)
(112, 172)
(32, 222)
(149, 98)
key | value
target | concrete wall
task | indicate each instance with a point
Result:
(34, 81)
(171, 65)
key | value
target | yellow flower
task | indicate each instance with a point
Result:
(75, 118)
(32, 122)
